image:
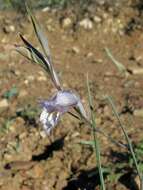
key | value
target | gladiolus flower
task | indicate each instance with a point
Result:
(59, 104)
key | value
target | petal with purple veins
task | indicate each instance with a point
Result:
(49, 120)
(59, 104)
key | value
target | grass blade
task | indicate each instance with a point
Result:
(89, 143)
(96, 143)
(119, 65)
(130, 146)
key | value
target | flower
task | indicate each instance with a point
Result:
(59, 104)
(63, 100)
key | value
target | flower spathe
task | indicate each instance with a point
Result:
(59, 104)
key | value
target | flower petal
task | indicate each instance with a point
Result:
(49, 120)
(59, 104)
(66, 98)
(49, 105)
(81, 109)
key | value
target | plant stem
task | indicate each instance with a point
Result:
(96, 143)
(130, 146)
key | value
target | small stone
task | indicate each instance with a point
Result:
(90, 54)
(42, 78)
(75, 134)
(75, 50)
(136, 70)
(17, 72)
(43, 134)
(9, 29)
(8, 157)
(66, 23)
(109, 74)
(26, 82)
(101, 2)
(46, 9)
(50, 28)
(29, 79)
(86, 24)
(97, 19)
(4, 103)
(4, 40)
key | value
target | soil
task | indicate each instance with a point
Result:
(31, 160)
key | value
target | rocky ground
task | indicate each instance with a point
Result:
(31, 160)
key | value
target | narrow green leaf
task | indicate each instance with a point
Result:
(90, 143)
(119, 65)
(130, 146)
(96, 145)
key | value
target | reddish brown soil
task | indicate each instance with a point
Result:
(29, 159)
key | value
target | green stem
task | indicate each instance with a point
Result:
(130, 146)
(96, 143)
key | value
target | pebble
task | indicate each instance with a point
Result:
(101, 2)
(90, 54)
(43, 134)
(9, 29)
(4, 40)
(50, 28)
(136, 70)
(17, 72)
(86, 24)
(8, 157)
(75, 50)
(46, 9)
(29, 79)
(97, 19)
(66, 23)
(26, 82)
(42, 78)
(4, 103)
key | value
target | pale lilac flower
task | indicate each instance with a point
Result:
(59, 104)
(63, 100)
